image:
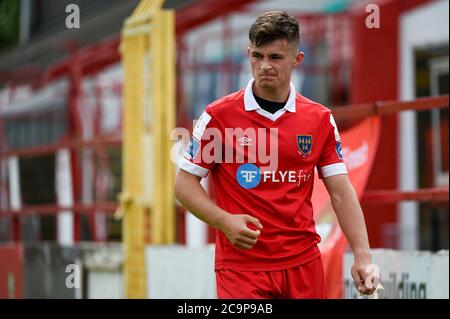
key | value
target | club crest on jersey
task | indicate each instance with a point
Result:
(304, 144)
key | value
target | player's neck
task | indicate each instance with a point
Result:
(275, 95)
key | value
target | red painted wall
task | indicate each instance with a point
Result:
(375, 77)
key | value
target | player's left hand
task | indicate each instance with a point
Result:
(365, 275)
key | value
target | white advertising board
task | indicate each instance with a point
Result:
(405, 274)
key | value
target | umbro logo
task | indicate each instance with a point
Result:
(245, 141)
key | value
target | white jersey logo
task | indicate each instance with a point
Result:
(245, 141)
(248, 175)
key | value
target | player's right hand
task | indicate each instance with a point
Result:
(238, 233)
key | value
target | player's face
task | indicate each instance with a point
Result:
(272, 63)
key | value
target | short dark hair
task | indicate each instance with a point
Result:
(274, 25)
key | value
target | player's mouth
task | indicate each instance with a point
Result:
(267, 77)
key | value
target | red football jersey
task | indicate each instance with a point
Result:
(262, 164)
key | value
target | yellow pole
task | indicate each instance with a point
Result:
(168, 81)
(149, 116)
(134, 217)
(163, 69)
(157, 129)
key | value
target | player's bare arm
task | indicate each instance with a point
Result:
(191, 194)
(351, 220)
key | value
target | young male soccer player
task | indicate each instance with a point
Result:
(266, 243)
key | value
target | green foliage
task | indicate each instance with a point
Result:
(9, 22)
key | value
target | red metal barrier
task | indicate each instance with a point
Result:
(66, 143)
(51, 209)
(364, 110)
(11, 271)
(394, 196)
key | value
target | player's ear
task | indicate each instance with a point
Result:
(248, 51)
(298, 58)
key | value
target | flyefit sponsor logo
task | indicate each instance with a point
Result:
(249, 176)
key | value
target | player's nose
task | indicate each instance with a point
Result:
(265, 66)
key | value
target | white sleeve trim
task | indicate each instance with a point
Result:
(192, 168)
(334, 169)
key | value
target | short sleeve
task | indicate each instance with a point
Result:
(331, 161)
(203, 148)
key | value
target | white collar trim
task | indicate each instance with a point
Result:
(250, 103)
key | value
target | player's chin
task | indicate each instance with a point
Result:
(268, 83)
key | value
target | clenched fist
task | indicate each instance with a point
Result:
(238, 233)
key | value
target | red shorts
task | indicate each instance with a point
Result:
(303, 282)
